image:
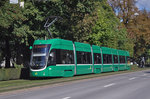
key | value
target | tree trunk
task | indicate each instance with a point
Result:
(7, 53)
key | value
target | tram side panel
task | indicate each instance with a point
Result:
(65, 63)
(122, 60)
(115, 59)
(107, 59)
(128, 60)
(97, 59)
(84, 58)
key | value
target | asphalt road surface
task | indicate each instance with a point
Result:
(123, 86)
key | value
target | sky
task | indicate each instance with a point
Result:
(141, 4)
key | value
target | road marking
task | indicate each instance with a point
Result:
(144, 74)
(132, 78)
(66, 98)
(109, 85)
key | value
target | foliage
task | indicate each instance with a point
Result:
(108, 31)
(136, 22)
(125, 9)
(103, 29)
(9, 73)
(139, 27)
(19, 28)
(89, 21)
(75, 17)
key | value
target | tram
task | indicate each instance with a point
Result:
(64, 58)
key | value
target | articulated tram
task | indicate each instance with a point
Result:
(64, 58)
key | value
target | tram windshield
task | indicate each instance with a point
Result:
(39, 56)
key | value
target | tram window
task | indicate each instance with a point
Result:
(97, 58)
(128, 59)
(52, 58)
(60, 56)
(107, 58)
(79, 57)
(64, 56)
(122, 59)
(104, 59)
(89, 58)
(84, 57)
(115, 58)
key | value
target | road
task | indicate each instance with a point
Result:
(123, 86)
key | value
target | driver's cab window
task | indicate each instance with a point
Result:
(52, 58)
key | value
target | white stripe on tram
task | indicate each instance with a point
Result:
(97, 64)
(73, 64)
(44, 54)
(65, 64)
(84, 64)
(107, 64)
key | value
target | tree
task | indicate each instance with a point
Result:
(89, 21)
(136, 22)
(19, 27)
(125, 9)
(139, 27)
(76, 17)
(108, 31)
(9, 14)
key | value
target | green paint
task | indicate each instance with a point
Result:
(106, 50)
(82, 47)
(69, 70)
(107, 68)
(84, 69)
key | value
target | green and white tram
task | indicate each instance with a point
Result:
(63, 58)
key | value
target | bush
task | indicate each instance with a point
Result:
(10, 73)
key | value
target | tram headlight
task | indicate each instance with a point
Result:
(36, 73)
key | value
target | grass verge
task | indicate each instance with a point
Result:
(23, 84)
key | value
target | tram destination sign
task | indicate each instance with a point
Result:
(40, 46)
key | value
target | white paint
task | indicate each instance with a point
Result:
(144, 75)
(107, 64)
(97, 64)
(66, 98)
(132, 78)
(38, 69)
(83, 64)
(44, 54)
(109, 85)
(65, 64)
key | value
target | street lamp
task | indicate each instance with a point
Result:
(136, 14)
